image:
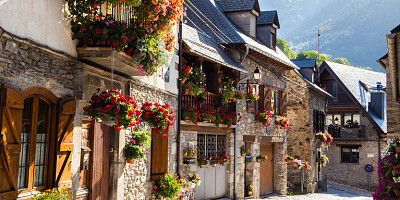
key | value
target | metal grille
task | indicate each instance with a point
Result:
(208, 144)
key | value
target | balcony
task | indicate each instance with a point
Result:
(347, 133)
(213, 100)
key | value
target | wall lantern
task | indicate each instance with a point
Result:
(257, 74)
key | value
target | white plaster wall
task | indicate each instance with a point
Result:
(43, 21)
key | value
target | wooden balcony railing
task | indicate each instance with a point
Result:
(347, 133)
(212, 100)
(118, 12)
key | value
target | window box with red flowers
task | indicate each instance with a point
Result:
(223, 159)
(142, 29)
(114, 109)
(157, 116)
(264, 117)
(190, 114)
(283, 122)
(202, 161)
(214, 160)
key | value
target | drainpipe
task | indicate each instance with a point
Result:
(178, 134)
(235, 150)
(245, 54)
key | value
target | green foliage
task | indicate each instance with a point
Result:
(282, 44)
(228, 91)
(343, 61)
(250, 187)
(54, 194)
(190, 153)
(167, 187)
(133, 151)
(142, 137)
(197, 80)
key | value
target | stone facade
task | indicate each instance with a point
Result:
(302, 145)
(354, 174)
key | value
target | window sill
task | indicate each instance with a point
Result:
(343, 163)
(27, 195)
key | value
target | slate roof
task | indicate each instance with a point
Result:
(204, 46)
(236, 5)
(210, 10)
(352, 78)
(309, 63)
(396, 29)
(267, 17)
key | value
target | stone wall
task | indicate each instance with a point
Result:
(250, 172)
(302, 100)
(393, 107)
(137, 184)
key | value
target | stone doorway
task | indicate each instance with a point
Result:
(267, 169)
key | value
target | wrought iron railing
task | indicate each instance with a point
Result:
(212, 100)
(343, 132)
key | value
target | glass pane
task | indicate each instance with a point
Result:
(346, 157)
(345, 150)
(356, 119)
(23, 167)
(337, 119)
(355, 150)
(329, 119)
(41, 143)
(347, 118)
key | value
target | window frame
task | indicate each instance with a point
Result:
(39, 93)
(341, 119)
(351, 154)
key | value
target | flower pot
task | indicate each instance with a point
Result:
(287, 160)
(397, 192)
(248, 159)
(214, 165)
(184, 80)
(130, 161)
(185, 91)
(258, 160)
(189, 160)
(249, 102)
(249, 193)
(224, 164)
(202, 166)
(108, 121)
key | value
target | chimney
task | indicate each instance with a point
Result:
(378, 101)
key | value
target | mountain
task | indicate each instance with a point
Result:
(353, 29)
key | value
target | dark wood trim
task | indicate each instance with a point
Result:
(273, 139)
(349, 145)
(249, 138)
(185, 127)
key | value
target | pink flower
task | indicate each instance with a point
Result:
(133, 141)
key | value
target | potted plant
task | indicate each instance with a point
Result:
(283, 122)
(202, 161)
(324, 137)
(244, 150)
(189, 156)
(261, 158)
(288, 158)
(207, 114)
(296, 164)
(194, 180)
(324, 160)
(230, 118)
(228, 91)
(248, 157)
(264, 117)
(250, 189)
(158, 116)
(223, 159)
(305, 165)
(190, 114)
(238, 96)
(186, 70)
(167, 187)
(55, 194)
(185, 89)
(214, 160)
(113, 109)
(250, 97)
(136, 147)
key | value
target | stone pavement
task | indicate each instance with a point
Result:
(335, 192)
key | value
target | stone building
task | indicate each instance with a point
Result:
(306, 112)
(356, 118)
(237, 35)
(47, 80)
(391, 62)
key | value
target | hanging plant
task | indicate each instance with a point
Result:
(214, 160)
(264, 117)
(305, 165)
(228, 91)
(167, 187)
(194, 180)
(189, 156)
(145, 33)
(158, 116)
(283, 122)
(324, 160)
(324, 137)
(250, 97)
(110, 105)
(244, 150)
(223, 159)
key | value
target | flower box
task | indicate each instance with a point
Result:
(131, 161)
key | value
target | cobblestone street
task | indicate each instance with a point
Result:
(335, 192)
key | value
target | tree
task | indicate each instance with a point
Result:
(313, 55)
(282, 44)
(343, 61)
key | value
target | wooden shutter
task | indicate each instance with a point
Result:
(267, 99)
(323, 118)
(65, 145)
(159, 155)
(11, 108)
(283, 102)
(315, 121)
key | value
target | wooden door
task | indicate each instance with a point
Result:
(267, 169)
(100, 160)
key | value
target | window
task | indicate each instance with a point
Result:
(34, 144)
(350, 154)
(329, 119)
(356, 118)
(347, 118)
